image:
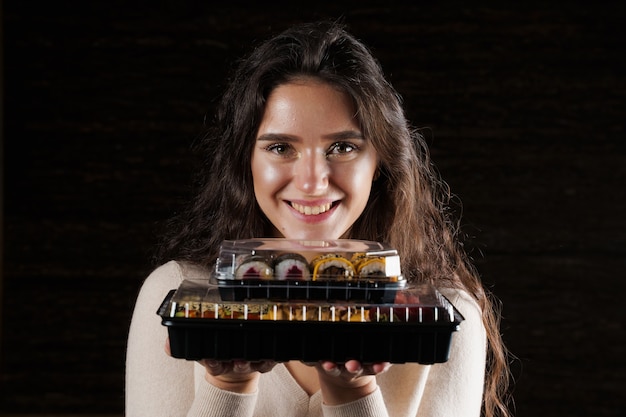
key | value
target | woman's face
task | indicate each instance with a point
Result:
(311, 166)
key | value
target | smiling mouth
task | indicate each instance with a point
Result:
(311, 210)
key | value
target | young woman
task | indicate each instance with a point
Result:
(311, 142)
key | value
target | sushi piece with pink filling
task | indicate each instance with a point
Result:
(254, 267)
(291, 266)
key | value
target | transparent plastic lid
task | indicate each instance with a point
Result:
(299, 260)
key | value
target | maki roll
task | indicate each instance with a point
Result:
(332, 267)
(291, 266)
(254, 267)
(373, 267)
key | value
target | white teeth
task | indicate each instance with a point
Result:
(311, 210)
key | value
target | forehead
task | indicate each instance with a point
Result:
(308, 102)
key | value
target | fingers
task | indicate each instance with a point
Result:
(263, 366)
(347, 371)
(242, 367)
(353, 368)
(238, 367)
(331, 368)
(379, 368)
(214, 367)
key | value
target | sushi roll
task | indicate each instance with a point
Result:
(333, 267)
(188, 309)
(291, 266)
(254, 267)
(243, 311)
(373, 267)
(358, 257)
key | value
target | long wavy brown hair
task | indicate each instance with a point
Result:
(409, 205)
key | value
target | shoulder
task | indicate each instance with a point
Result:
(464, 302)
(470, 341)
(163, 278)
(176, 271)
(180, 270)
(169, 275)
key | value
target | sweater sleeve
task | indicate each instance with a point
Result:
(455, 388)
(371, 405)
(211, 401)
(156, 384)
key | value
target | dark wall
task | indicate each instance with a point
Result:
(524, 107)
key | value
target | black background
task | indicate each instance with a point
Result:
(523, 107)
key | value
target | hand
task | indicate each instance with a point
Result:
(343, 383)
(236, 376)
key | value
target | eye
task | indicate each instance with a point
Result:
(284, 150)
(342, 149)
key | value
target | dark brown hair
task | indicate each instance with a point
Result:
(408, 206)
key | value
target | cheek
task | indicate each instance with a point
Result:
(265, 176)
(359, 180)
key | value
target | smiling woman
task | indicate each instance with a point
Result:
(311, 143)
(312, 169)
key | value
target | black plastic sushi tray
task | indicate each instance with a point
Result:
(416, 327)
(357, 290)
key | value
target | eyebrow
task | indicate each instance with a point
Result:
(346, 134)
(276, 137)
(343, 135)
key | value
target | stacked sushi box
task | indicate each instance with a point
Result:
(280, 299)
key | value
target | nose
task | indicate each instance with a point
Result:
(311, 172)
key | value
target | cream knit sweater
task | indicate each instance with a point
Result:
(158, 385)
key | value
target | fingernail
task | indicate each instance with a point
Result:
(240, 366)
(334, 371)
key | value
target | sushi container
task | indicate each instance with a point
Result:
(286, 269)
(411, 323)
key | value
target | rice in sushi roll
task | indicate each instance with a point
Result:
(373, 267)
(291, 266)
(333, 267)
(254, 267)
